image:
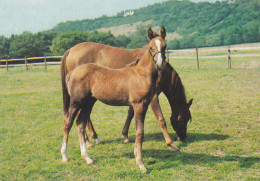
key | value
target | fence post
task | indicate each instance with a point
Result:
(197, 55)
(6, 61)
(228, 57)
(45, 62)
(26, 63)
(167, 57)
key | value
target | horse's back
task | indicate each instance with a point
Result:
(90, 52)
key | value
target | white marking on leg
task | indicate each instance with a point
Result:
(98, 140)
(64, 152)
(84, 153)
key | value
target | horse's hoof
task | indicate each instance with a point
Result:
(143, 169)
(64, 160)
(98, 141)
(89, 145)
(174, 149)
(89, 161)
(126, 141)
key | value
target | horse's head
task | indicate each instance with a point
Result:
(180, 118)
(157, 47)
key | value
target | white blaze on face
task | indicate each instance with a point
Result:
(159, 57)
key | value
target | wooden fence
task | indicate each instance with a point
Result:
(227, 52)
(194, 54)
(30, 61)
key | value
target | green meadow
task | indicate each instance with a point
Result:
(223, 137)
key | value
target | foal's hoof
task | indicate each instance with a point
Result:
(126, 141)
(90, 162)
(174, 149)
(98, 141)
(64, 160)
(143, 169)
(89, 145)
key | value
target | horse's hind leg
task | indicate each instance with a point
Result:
(127, 124)
(89, 105)
(81, 123)
(68, 122)
(159, 116)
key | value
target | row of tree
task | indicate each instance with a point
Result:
(56, 43)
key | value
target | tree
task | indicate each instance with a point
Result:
(25, 44)
(139, 38)
(174, 44)
(4, 47)
(66, 40)
(46, 37)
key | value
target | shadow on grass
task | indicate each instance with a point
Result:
(197, 159)
(192, 137)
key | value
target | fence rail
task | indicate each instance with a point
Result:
(227, 52)
(26, 63)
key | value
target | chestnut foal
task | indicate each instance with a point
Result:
(129, 86)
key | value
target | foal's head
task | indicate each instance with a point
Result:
(158, 47)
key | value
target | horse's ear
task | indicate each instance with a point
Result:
(190, 102)
(150, 34)
(163, 32)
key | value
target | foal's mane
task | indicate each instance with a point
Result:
(139, 54)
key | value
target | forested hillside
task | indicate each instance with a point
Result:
(198, 24)
(192, 24)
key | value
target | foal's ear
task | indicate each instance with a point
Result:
(163, 32)
(190, 102)
(150, 34)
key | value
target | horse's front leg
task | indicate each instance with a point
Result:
(81, 123)
(127, 124)
(159, 116)
(139, 112)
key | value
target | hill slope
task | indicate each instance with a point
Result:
(224, 22)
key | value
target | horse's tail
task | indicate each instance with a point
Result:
(64, 72)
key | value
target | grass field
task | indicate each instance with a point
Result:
(223, 139)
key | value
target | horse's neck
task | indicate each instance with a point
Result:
(146, 62)
(176, 95)
(139, 52)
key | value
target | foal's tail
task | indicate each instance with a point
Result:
(64, 72)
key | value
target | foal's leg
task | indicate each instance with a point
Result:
(159, 116)
(89, 105)
(140, 111)
(127, 124)
(88, 143)
(68, 122)
(81, 123)
(92, 131)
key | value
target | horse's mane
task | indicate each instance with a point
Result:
(133, 63)
(141, 53)
(177, 85)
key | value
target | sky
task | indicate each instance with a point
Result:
(17, 16)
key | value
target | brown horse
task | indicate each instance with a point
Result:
(113, 57)
(133, 86)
